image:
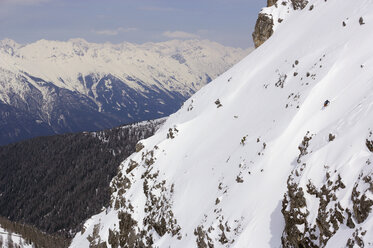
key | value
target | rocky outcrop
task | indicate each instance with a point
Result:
(159, 218)
(263, 29)
(264, 24)
(299, 231)
(271, 3)
(302, 231)
(299, 4)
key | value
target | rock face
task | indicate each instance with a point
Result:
(299, 4)
(271, 2)
(265, 24)
(263, 29)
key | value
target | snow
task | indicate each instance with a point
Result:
(15, 239)
(279, 12)
(205, 158)
(64, 62)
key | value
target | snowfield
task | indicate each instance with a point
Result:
(254, 159)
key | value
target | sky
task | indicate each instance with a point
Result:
(229, 22)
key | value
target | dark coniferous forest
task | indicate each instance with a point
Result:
(55, 183)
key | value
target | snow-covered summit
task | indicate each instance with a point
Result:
(254, 159)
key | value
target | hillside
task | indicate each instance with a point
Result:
(254, 159)
(55, 183)
(15, 235)
(12, 240)
(54, 87)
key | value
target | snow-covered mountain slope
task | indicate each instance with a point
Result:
(53, 87)
(11, 240)
(17, 235)
(254, 159)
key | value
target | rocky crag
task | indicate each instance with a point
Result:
(266, 24)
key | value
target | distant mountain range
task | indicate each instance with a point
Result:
(53, 87)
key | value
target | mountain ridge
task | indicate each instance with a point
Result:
(80, 86)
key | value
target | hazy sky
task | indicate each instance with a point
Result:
(229, 22)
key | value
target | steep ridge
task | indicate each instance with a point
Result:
(254, 159)
(53, 87)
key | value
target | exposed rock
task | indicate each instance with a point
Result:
(356, 240)
(158, 205)
(294, 210)
(239, 179)
(299, 4)
(350, 223)
(217, 234)
(281, 80)
(299, 232)
(131, 165)
(95, 239)
(128, 235)
(331, 137)
(361, 21)
(218, 103)
(264, 24)
(203, 240)
(362, 205)
(303, 146)
(171, 133)
(139, 147)
(263, 29)
(271, 3)
(369, 144)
